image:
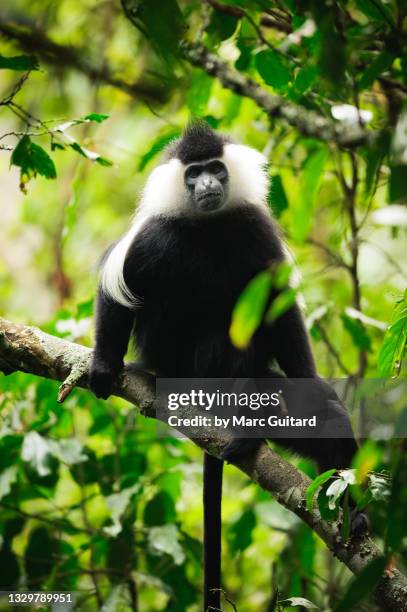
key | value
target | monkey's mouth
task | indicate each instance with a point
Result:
(211, 200)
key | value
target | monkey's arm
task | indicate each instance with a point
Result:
(113, 326)
(291, 345)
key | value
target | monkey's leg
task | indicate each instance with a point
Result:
(330, 451)
(113, 326)
(212, 503)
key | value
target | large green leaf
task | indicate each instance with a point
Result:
(273, 69)
(32, 160)
(161, 22)
(315, 485)
(357, 331)
(221, 26)
(240, 534)
(249, 309)
(395, 342)
(305, 78)
(280, 304)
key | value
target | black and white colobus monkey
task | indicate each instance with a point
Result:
(202, 231)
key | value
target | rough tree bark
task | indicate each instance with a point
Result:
(30, 350)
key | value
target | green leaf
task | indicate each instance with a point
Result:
(160, 509)
(19, 62)
(42, 162)
(281, 303)
(271, 68)
(398, 183)
(94, 157)
(362, 585)
(240, 535)
(198, 93)
(277, 197)
(32, 160)
(309, 185)
(315, 486)
(162, 23)
(165, 540)
(243, 61)
(374, 157)
(221, 27)
(157, 147)
(249, 309)
(358, 333)
(305, 78)
(393, 348)
(382, 62)
(99, 118)
(376, 10)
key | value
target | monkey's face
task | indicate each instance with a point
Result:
(207, 184)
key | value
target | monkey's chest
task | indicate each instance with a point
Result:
(185, 269)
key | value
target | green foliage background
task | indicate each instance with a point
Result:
(93, 497)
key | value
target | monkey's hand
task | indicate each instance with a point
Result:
(359, 523)
(238, 448)
(102, 376)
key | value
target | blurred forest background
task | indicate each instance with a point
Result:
(91, 498)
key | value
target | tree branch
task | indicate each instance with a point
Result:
(307, 122)
(34, 40)
(239, 13)
(30, 350)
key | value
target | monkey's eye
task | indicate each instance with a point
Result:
(217, 168)
(193, 172)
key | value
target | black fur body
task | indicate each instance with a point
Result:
(187, 271)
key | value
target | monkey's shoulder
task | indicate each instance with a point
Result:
(239, 229)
